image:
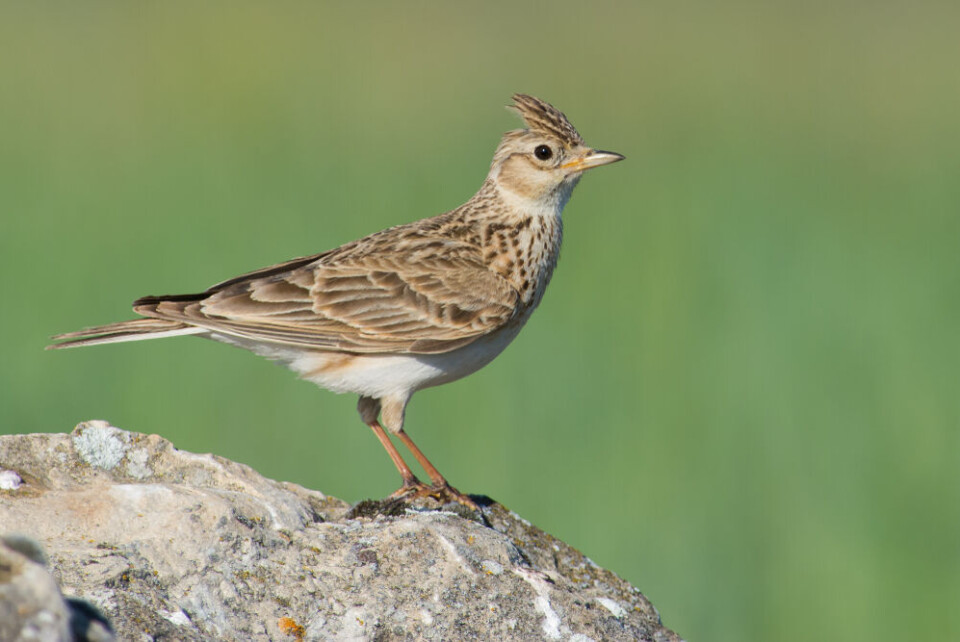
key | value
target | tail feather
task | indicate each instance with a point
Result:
(135, 330)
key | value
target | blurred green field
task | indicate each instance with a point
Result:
(741, 391)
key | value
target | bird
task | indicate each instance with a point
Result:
(410, 307)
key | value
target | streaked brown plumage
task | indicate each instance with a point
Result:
(410, 307)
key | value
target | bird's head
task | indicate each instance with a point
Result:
(541, 165)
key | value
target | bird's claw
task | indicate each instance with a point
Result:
(444, 493)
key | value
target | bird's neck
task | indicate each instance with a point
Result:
(523, 204)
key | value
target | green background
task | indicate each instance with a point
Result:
(741, 392)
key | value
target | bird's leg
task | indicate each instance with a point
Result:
(431, 470)
(441, 488)
(411, 485)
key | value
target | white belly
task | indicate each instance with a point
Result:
(381, 375)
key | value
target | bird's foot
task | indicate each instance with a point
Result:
(412, 489)
(444, 493)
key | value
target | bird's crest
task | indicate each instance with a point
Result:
(545, 118)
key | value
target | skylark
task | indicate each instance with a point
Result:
(413, 306)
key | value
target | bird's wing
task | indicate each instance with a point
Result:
(430, 298)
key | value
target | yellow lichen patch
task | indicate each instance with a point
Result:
(289, 626)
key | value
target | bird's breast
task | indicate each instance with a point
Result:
(526, 255)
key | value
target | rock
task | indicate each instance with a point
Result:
(178, 546)
(32, 608)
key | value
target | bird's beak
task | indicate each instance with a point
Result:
(591, 158)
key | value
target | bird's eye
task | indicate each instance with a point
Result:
(543, 152)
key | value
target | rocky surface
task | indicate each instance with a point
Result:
(31, 606)
(170, 545)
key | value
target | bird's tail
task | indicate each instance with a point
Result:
(135, 330)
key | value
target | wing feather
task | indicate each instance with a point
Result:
(431, 298)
